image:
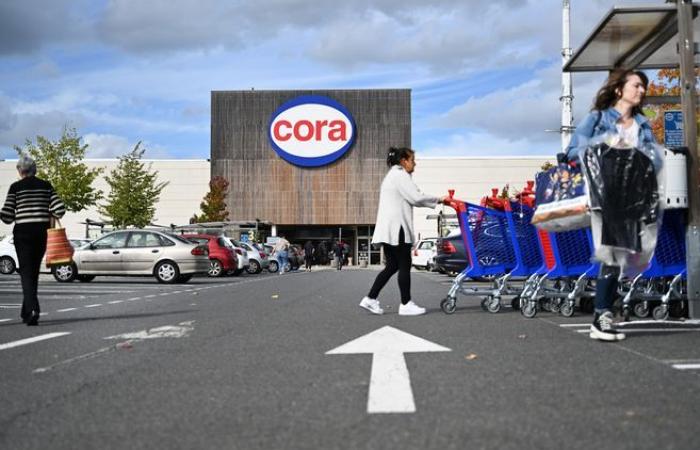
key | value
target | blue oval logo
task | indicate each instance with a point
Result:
(311, 131)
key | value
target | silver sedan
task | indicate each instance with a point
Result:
(170, 258)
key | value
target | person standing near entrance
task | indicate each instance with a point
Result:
(394, 229)
(340, 250)
(30, 204)
(308, 255)
(281, 252)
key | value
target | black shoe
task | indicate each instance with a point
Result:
(33, 320)
(602, 328)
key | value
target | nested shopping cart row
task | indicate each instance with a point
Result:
(555, 271)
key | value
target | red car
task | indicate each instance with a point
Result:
(222, 259)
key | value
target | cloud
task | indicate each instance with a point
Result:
(113, 146)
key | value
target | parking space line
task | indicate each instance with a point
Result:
(575, 325)
(150, 296)
(66, 309)
(114, 302)
(5, 320)
(94, 305)
(133, 299)
(693, 366)
(31, 340)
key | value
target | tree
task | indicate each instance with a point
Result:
(214, 204)
(60, 164)
(134, 191)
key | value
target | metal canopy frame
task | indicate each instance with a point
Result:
(657, 39)
(638, 42)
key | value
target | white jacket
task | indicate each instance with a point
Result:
(397, 197)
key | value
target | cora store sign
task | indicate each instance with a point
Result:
(311, 131)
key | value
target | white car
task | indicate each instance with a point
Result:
(243, 261)
(9, 262)
(258, 259)
(423, 254)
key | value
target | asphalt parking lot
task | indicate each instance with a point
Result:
(290, 361)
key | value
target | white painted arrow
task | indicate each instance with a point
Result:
(390, 384)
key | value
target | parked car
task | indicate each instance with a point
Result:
(242, 255)
(257, 257)
(169, 258)
(423, 254)
(451, 255)
(222, 258)
(9, 262)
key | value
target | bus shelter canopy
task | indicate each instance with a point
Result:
(644, 37)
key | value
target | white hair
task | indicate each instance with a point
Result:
(26, 164)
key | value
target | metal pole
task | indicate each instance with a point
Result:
(566, 90)
(686, 47)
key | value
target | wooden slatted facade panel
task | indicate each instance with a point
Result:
(264, 186)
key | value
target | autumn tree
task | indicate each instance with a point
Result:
(214, 204)
(60, 163)
(135, 190)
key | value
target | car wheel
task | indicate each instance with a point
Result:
(65, 273)
(273, 267)
(253, 267)
(167, 272)
(86, 278)
(215, 268)
(7, 265)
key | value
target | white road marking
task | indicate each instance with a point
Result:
(390, 383)
(133, 299)
(183, 329)
(150, 296)
(114, 302)
(10, 306)
(575, 325)
(31, 340)
(93, 306)
(686, 366)
(5, 320)
(66, 309)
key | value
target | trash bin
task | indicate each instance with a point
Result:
(676, 180)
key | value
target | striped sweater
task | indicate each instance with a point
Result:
(30, 203)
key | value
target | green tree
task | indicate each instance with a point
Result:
(134, 191)
(214, 204)
(60, 163)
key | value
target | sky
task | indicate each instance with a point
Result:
(485, 76)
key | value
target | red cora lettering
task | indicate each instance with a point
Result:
(276, 130)
(305, 130)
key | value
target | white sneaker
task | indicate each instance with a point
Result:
(411, 309)
(371, 305)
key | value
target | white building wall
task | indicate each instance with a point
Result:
(472, 178)
(179, 200)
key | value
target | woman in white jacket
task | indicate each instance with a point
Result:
(394, 229)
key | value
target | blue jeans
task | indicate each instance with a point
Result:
(282, 260)
(605, 288)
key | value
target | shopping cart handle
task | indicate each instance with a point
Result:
(452, 202)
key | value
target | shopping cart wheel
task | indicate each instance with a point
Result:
(641, 310)
(567, 309)
(660, 312)
(448, 305)
(515, 303)
(485, 303)
(529, 310)
(494, 304)
(626, 313)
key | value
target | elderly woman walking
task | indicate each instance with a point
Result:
(30, 204)
(394, 229)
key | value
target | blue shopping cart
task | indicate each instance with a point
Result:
(499, 244)
(664, 279)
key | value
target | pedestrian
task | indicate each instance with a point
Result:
(281, 251)
(394, 229)
(339, 254)
(31, 203)
(308, 255)
(617, 110)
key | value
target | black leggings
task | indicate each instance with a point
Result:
(30, 250)
(398, 258)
